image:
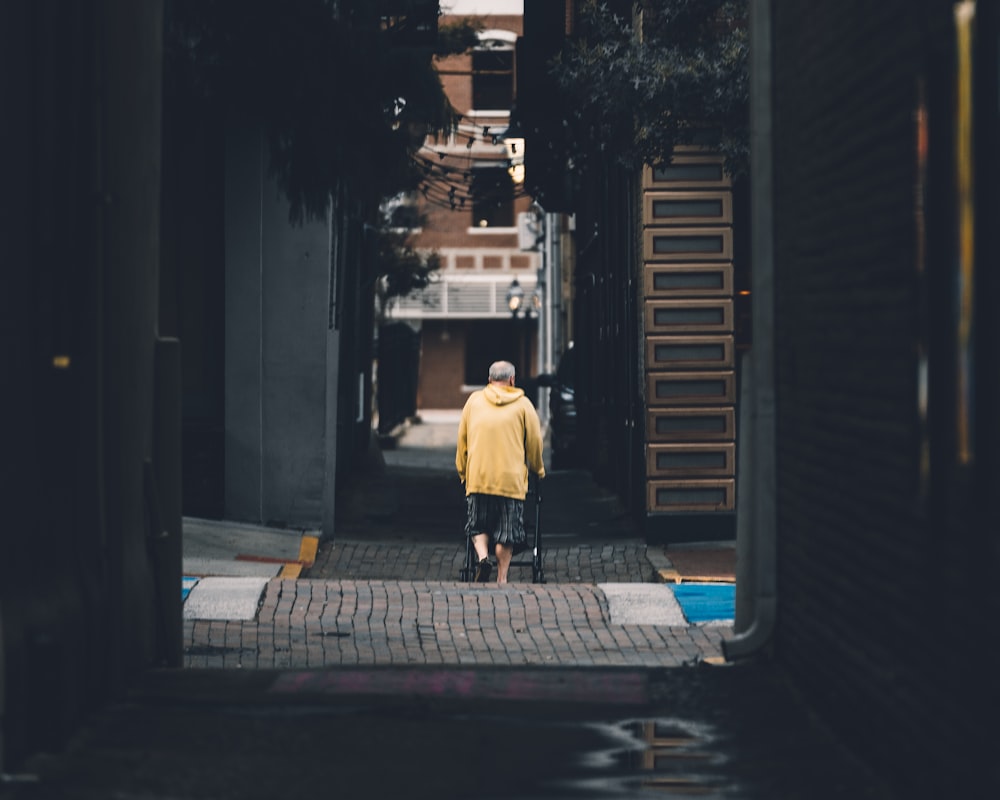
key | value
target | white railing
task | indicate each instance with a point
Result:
(461, 297)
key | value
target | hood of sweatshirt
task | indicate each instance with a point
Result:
(502, 395)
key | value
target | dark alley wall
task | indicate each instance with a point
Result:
(884, 535)
(90, 464)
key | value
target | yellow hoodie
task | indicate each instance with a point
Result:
(499, 438)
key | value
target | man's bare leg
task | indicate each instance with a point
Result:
(480, 543)
(504, 555)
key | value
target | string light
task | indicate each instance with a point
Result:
(450, 186)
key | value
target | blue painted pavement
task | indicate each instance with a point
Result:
(706, 602)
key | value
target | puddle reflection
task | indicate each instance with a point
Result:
(653, 757)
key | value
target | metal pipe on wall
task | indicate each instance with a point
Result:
(757, 519)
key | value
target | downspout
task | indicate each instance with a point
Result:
(756, 510)
(553, 288)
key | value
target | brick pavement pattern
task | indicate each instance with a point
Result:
(597, 562)
(312, 624)
(387, 589)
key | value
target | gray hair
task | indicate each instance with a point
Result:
(501, 371)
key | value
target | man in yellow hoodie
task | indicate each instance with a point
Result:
(499, 440)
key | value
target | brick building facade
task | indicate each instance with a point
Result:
(468, 206)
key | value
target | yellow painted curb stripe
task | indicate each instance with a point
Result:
(290, 571)
(308, 549)
(673, 576)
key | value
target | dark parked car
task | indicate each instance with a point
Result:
(562, 411)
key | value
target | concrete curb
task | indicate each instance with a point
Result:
(642, 604)
(225, 598)
(661, 564)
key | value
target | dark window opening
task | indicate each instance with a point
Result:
(487, 341)
(672, 389)
(492, 199)
(677, 352)
(665, 209)
(687, 244)
(689, 316)
(707, 424)
(705, 460)
(492, 79)
(669, 497)
(666, 281)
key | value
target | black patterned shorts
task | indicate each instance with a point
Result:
(502, 518)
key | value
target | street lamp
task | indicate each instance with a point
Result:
(526, 309)
(515, 297)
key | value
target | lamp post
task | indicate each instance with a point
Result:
(523, 309)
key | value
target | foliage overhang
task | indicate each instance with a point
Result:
(340, 98)
(675, 72)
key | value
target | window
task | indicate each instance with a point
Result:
(492, 198)
(492, 79)
(486, 341)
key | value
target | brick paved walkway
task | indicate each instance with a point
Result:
(323, 623)
(387, 590)
(583, 562)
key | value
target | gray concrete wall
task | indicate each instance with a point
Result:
(280, 355)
